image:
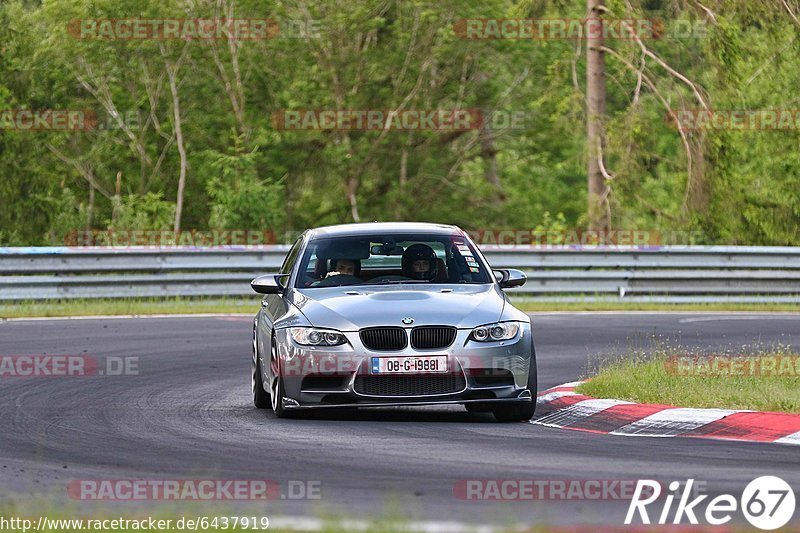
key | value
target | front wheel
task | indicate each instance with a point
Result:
(276, 386)
(260, 396)
(518, 411)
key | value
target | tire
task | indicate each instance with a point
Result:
(260, 396)
(519, 411)
(276, 389)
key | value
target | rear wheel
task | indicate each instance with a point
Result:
(518, 411)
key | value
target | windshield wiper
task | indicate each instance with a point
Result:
(396, 281)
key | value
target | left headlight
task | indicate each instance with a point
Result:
(317, 337)
(499, 331)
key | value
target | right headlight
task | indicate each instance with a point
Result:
(316, 336)
(499, 331)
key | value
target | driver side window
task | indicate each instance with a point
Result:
(291, 257)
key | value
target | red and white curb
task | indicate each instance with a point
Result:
(562, 407)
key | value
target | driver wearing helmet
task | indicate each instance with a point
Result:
(419, 262)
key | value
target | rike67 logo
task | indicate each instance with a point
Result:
(768, 502)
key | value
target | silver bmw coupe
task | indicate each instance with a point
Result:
(391, 314)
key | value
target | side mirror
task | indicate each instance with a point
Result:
(510, 277)
(269, 284)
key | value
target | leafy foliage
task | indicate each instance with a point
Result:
(242, 172)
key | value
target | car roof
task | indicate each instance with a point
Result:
(372, 228)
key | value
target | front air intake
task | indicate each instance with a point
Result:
(384, 339)
(432, 337)
(410, 385)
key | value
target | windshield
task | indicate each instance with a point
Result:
(390, 259)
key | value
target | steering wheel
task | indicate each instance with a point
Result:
(338, 280)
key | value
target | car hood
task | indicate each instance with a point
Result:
(355, 307)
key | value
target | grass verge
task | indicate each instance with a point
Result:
(249, 304)
(129, 306)
(531, 305)
(760, 378)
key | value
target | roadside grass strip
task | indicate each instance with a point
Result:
(563, 407)
(763, 378)
(250, 304)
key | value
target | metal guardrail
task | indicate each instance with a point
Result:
(685, 273)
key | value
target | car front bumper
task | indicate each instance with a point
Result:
(335, 377)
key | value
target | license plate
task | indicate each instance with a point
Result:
(409, 365)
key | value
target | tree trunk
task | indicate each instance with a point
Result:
(176, 113)
(489, 156)
(90, 211)
(597, 213)
(352, 198)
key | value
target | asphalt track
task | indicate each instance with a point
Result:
(188, 414)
